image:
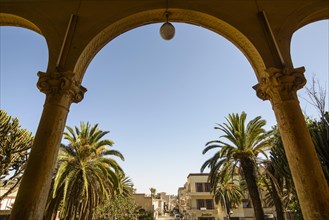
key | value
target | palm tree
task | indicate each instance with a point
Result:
(275, 185)
(126, 186)
(228, 192)
(86, 174)
(240, 146)
(153, 191)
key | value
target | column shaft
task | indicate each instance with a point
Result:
(33, 192)
(61, 90)
(309, 180)
(280, 87)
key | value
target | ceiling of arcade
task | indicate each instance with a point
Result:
(265, 40)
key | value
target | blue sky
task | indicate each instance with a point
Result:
(159, 99)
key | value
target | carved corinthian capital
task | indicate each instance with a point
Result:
(57, 84)
(280, 84)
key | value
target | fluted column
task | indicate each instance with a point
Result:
(61, 90)
(280, 87)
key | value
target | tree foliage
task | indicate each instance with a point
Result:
(122, 206)
(239, 147)
(153, 191)
(15, 144)
(228, 192)
(119, 207)
(86, 174)
(319, 130)
(282, 178)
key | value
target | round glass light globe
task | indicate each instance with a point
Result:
(167, 31)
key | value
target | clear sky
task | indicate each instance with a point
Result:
(159, 99)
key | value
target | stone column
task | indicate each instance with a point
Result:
(280, 87)
(61, 90)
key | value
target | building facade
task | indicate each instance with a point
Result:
(196, 202)
(159, 204)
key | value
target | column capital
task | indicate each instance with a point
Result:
(57, 84)
(279, 85)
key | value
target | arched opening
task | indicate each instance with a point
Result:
(161, 99)
(23, 54)
(309, 48)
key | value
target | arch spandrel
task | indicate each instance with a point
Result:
(176, 15)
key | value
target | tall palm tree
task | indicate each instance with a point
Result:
(240, 145)
(86, 174)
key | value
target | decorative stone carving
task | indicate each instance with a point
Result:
(57, 84)
(279, 85)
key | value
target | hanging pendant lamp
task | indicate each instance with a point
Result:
(167, 30)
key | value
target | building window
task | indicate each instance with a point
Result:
(209, 204)
(200, 203)
(199, 187)
(202, 187)
(205, 203)
(207, 187)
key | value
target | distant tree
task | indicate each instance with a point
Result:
(153, 191)
(121, 205)
(240, 144)
(15, 144)
(319, 129)
(86, 174)
(316, 96)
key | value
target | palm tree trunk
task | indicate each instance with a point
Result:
(277, 201)
(248, 167)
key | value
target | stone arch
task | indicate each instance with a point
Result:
(176, 15)
(14, 20)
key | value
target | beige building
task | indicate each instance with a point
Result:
(196, 202)
(144, 201)
(160, 204)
